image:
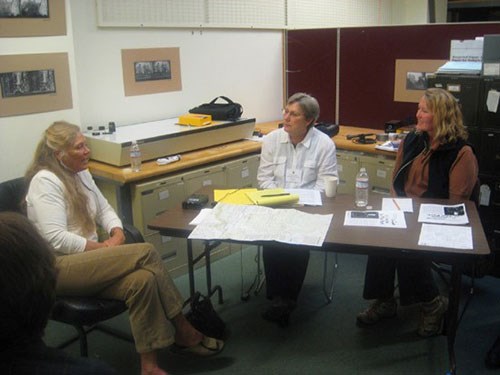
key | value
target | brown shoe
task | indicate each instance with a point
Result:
(432, 317)
(380, 309)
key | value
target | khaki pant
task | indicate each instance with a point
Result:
(132, 273)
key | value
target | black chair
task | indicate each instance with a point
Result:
(475, 269)
(83, 313)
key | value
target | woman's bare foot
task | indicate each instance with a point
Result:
(153, 371)
(149, 364)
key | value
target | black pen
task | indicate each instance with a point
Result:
(275, 195)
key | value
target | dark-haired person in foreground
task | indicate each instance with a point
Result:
(27, 295)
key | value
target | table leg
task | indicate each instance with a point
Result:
(260, 278)
(190, 267)
(452, 315)
(208, 247)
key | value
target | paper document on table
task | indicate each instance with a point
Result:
(308, 197)
(445, 236)
(202, 215)
(255, 138)
(441, 214)
(258, 223)
(397, 204)
(385, 219)
(389, 146)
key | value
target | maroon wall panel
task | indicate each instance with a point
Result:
(367, 63)
(367, 66)
(312, 67)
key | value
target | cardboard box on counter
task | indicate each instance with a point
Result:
(192, 119)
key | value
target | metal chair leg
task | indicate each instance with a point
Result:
(328, 289)
(82, 339)
(258, 280)
(82, 334)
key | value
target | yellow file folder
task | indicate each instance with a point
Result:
(233, 196)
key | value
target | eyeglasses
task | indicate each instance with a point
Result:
(291, 113)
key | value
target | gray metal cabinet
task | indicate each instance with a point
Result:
(347, 168)
(379, 170)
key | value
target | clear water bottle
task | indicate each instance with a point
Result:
(362, 186)
(135, 157)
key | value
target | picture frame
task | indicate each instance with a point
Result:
(151, 70)
(410, 79)
(53, 24)
(34, 83)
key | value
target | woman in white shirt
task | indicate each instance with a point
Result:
(66, 206)
(294, 156)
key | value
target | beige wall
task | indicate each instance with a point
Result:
(20, 134)
(245, 65)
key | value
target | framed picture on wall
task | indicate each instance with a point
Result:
(151, 70)
(32, 18)
(410, 80)
(34, 83)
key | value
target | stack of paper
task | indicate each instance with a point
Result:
(389, 146)
(461, 67)
(272, 197)
(466, 57)
(456, 237)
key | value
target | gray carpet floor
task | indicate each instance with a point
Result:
(321, 339)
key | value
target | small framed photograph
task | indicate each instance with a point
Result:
(32, 18)
(28, 82)
(410, 79)
(151, 71)
(34, 83)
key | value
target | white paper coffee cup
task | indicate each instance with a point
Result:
(331, 183)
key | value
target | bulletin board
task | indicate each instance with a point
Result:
(312, 67)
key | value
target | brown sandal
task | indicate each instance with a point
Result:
(208, 346)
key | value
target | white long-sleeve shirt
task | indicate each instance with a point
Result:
(304, 166)
(47, 209)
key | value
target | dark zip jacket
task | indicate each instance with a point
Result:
(440, 163)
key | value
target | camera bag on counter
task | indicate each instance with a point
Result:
(220, 111)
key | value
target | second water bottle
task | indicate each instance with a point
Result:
(135, 157)
(362, 187)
